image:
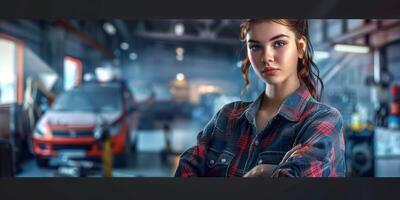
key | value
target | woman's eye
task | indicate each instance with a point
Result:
(254, 47)
(279, 43)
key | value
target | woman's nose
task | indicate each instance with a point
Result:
(268, 56)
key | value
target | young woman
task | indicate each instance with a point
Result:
(286, 131)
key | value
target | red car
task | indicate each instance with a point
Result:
(68, 128)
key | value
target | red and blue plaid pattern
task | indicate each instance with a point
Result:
(230, 146)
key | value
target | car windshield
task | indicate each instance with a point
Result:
(94, 98)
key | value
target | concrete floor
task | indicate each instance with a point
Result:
(148, 164)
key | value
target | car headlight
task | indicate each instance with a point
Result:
(114, 130)
(42, 129)
(98, 132)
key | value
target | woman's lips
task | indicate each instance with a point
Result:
(270, 70)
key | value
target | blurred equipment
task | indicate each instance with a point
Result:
(355, 122)
(360, 148)
(36, 95)
(77, 168)
(359, 120)
(382, 79)
(387, 152)
(381, 115)
(180, 89)
(167, 140)
(107, 157)
(6, 158)
(394, 118)
(102, 134)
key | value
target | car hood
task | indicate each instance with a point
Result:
(78, 118)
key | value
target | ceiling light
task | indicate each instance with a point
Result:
(179, 29)
(321, 55)
(109, 28)
(124, 46)
(133, 56)
(180, 77)
(351, 48)
(180, 51)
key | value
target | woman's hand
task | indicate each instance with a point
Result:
(265, 170)
(298, 150)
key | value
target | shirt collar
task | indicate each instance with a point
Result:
(291, 108)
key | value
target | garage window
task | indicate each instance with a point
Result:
(72, 72)
(10, 70)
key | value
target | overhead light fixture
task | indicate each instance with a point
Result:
(180, 51)
(321, 55)
(351, 48)
(179, 57)
(124, 46)
(180, 77)
(179, 29)
(109, 28)
(133, 56)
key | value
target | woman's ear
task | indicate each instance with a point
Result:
(302, 45)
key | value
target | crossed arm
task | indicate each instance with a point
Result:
(319, 152)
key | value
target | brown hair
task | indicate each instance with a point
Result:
(307, 70)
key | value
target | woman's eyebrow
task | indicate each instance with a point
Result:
(278, 36)
(273, 38)
(253, 41)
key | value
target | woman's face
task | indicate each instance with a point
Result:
(272, 50)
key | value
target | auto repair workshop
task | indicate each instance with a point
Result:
(125, 98)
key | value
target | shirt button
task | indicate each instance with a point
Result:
(260, 161)
(223, 160)
(212, 162)
(256, 143)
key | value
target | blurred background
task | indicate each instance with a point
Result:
(135, 93)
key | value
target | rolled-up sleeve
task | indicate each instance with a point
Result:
(325, 156)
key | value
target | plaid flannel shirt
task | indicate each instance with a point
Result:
(230, 146)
